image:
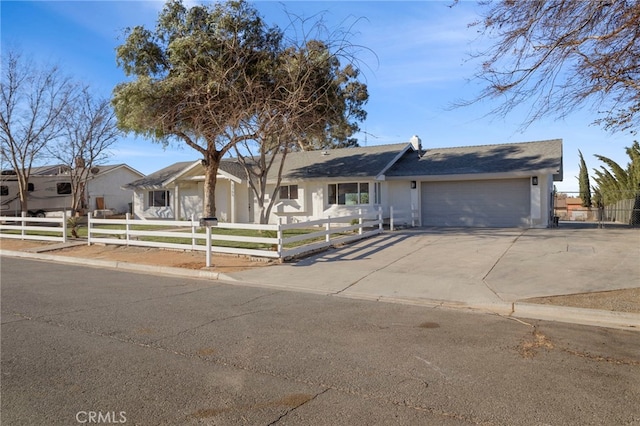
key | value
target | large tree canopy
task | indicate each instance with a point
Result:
(559, 55)
(217, 76)
(195, 77)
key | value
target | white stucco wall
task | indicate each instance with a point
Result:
(312, 204)
(401, 197)
(191, 202)
(541, 201)
(109, 186)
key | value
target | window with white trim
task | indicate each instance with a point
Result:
(158, 198)
(348, 194)
(288, 192)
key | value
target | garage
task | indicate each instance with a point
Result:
(482, 203)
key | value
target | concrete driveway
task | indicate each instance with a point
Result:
(478, 268)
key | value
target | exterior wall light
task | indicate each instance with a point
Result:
(534, 180)
(413, 184)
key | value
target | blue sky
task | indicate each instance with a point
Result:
(416, 64)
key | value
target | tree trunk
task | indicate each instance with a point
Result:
(212, 162)
(23, 189)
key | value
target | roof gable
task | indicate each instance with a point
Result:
(157, 179)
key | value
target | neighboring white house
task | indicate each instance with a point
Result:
(504, 185)
(50, 189)
(104, 189)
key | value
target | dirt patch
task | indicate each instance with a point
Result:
(627, 300)
(537, 341)
(7, 244)
(141, 255)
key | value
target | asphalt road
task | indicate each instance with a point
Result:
(86, 346)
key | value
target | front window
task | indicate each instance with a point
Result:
(289, 192)
(158, 198)
(348, 194)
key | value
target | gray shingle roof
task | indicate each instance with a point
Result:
(370, 161)
(156, 179)
(234, 168)
(343, 162)
(502, 158)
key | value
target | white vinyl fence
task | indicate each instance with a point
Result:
(405, 216)
(280, 241)
(34, 228)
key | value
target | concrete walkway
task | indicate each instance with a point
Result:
(486, 269)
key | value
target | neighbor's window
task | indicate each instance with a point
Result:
(63, 187)
(158, 198)
(4, 190)
(348, 194)
(289, 192)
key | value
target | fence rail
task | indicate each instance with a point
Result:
(279, 241)
(34, 228)
(269, 241)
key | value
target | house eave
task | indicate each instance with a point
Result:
(472, 176)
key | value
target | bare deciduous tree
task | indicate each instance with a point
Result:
(90, 130)
(560, 55)
(310, 103)
(33, 101)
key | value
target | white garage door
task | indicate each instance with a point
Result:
(486, 203)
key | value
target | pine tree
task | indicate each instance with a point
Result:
(585, 187)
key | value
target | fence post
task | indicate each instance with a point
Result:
(327, 227)
(23, 224)
(64, 227)
(413, 219)
(208, 234)
(360, 221)
(380, 227)
(126, 227)
(279, 235)
(89, 228)
(391, 218)
(193, 232)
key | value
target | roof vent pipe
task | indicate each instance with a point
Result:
(417, 144)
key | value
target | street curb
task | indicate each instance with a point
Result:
(499, 308)
(611, 319)
(126, 266)
(566, 314)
